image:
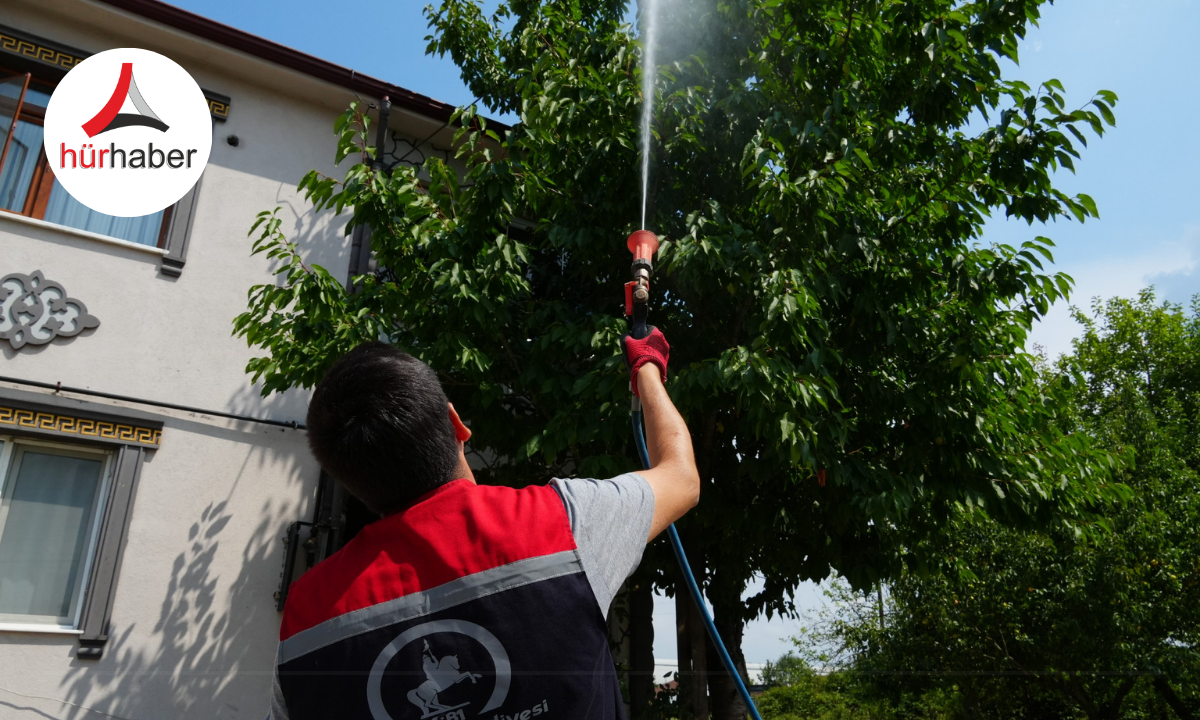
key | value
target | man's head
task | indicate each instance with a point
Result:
(380, 424)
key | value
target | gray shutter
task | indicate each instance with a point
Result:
(179, 230)
(102, 585)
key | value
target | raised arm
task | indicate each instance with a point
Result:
(672, 475)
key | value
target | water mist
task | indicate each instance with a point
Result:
(649, 23)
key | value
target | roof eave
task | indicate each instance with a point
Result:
(270, 51)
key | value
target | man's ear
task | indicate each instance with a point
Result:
(462, 432)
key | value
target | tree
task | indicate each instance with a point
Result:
(1048, 619)
(847, 355)
(794, 691)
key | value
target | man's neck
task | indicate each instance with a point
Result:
(463, 471)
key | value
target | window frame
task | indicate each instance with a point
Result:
(9, 467)
(42, 181)
(129, 436)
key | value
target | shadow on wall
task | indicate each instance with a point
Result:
(26, 709)
(291, 406)
(202, 663)
(210, 651)
(321, 241)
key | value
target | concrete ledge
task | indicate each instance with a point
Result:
(63, 229)
(35, 628)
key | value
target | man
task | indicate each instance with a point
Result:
(467, 600)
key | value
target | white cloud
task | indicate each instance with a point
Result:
(1172, 266)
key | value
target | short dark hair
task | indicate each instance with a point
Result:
(378, 422)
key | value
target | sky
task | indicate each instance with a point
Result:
(1144, 174)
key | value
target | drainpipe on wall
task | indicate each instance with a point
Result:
(326, 531)
(360, 238)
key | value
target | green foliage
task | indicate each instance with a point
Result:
(847, 696)
(1046, 619)
(789, 669)
(848, 355)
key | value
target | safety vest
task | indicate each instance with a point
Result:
(471, 603)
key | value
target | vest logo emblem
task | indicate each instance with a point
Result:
(425, 687)
(441, 674)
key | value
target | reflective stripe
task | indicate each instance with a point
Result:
(455, 592)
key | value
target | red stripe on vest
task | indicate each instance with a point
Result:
(458, 530)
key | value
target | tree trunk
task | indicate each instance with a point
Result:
(619, 635)
(1076, 690)
(642, 682)
(693, 668)
(1113, 711)
(698, 700)
(1168, 694)
(725, 593)
(1100, 711)
(970, 699)
(700, 664)
(727, 702)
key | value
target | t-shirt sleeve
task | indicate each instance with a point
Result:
(610, 520)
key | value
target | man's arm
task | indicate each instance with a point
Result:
(672, 475)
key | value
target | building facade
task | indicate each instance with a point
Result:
(146, 487)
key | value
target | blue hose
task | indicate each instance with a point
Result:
(639, 439)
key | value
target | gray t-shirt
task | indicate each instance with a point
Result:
(610, 520)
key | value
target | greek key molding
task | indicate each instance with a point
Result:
(218, 108)
(62, 424)
(16, 42)
(36, 50)
(34, 311)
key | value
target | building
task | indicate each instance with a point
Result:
(143, 505)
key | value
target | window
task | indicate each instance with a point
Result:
(68, 477)
(51, 498)
(27, 184)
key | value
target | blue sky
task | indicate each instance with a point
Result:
(1144, 175)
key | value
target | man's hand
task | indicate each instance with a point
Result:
(652, 349)
(672, 474)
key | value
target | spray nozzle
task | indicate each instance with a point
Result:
(643, 244)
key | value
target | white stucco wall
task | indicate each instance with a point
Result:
(194, 625)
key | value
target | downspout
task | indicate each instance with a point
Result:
(329, 510)
(360, 237)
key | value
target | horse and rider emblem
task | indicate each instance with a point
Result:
(439, 674)
(433, 697)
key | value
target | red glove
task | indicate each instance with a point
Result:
(651, 349)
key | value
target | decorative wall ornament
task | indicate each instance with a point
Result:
(63, 424)
(34, 311)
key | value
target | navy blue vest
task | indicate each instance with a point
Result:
(472, 603)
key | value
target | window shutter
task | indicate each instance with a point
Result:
(179, 230)
(102, 585)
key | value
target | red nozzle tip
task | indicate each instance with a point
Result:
(643, 244)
